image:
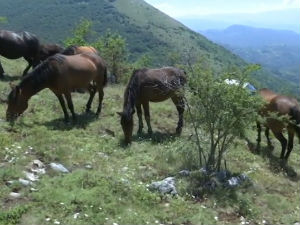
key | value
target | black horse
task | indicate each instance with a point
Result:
(16, 45)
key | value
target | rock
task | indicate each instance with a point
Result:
(37, 167)
(10, 182)
(298, 223)
(222, 175)
(75, 216)
(31, 176)
(25, 182)
(14, 195)
(184, 173)
(59, 167)
(88, 166)
(166, 186)
(236, 181)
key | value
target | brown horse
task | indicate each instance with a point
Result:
(60, 74)
(153, 85)
(74, 50)
(16, 45)
(47, 50)
(283, 106)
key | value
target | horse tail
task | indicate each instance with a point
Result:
(295, 114)
(105, 76)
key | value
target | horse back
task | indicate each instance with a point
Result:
(77, 71)
(15, 45)
(267, 94)
(158, 84)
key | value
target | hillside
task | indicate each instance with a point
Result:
(277, 50)
(146, 29)
(107, 183)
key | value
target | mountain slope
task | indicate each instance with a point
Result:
(146, 29)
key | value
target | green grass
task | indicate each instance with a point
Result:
(114, 190)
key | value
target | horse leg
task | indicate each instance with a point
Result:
(28, 67)
(70, 104)
(283, 142)
(258, 135)
(1, 71)
(290, 143)
(101, 95)
(139, 114)
(63, 105)
(92, 91)
(147, 117)
(267, 132)
(179, 103)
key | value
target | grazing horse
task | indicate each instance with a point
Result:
(283, 106)
(74, 50)
(155, 85)
(47, 50)
(61, 74)
(16, 45)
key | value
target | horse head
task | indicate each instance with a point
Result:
(17, 104)
(127, 125)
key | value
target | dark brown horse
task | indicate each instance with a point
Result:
(61, 74)
(155, 85)
(282, 106)
(47, 50)
(16, 45)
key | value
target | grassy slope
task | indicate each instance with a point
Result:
(114, 190)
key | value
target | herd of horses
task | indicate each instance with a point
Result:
(76, 67)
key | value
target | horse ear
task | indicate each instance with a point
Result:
(119, 113)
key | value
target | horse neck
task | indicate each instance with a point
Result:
(129, 103)
(32, 84)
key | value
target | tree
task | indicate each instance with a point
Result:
(80, 34)
(112, 47)
(219, 113)
(3, 20)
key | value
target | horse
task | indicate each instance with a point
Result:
(16, 45)
(74, 49)
(47, 50)
(61, 74)
(283, 106)
(155, 85)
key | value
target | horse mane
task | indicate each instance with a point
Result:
(40, 75)
(131, 93)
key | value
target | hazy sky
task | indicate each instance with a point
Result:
(194, 8)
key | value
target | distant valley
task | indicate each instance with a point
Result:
(277, 50)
